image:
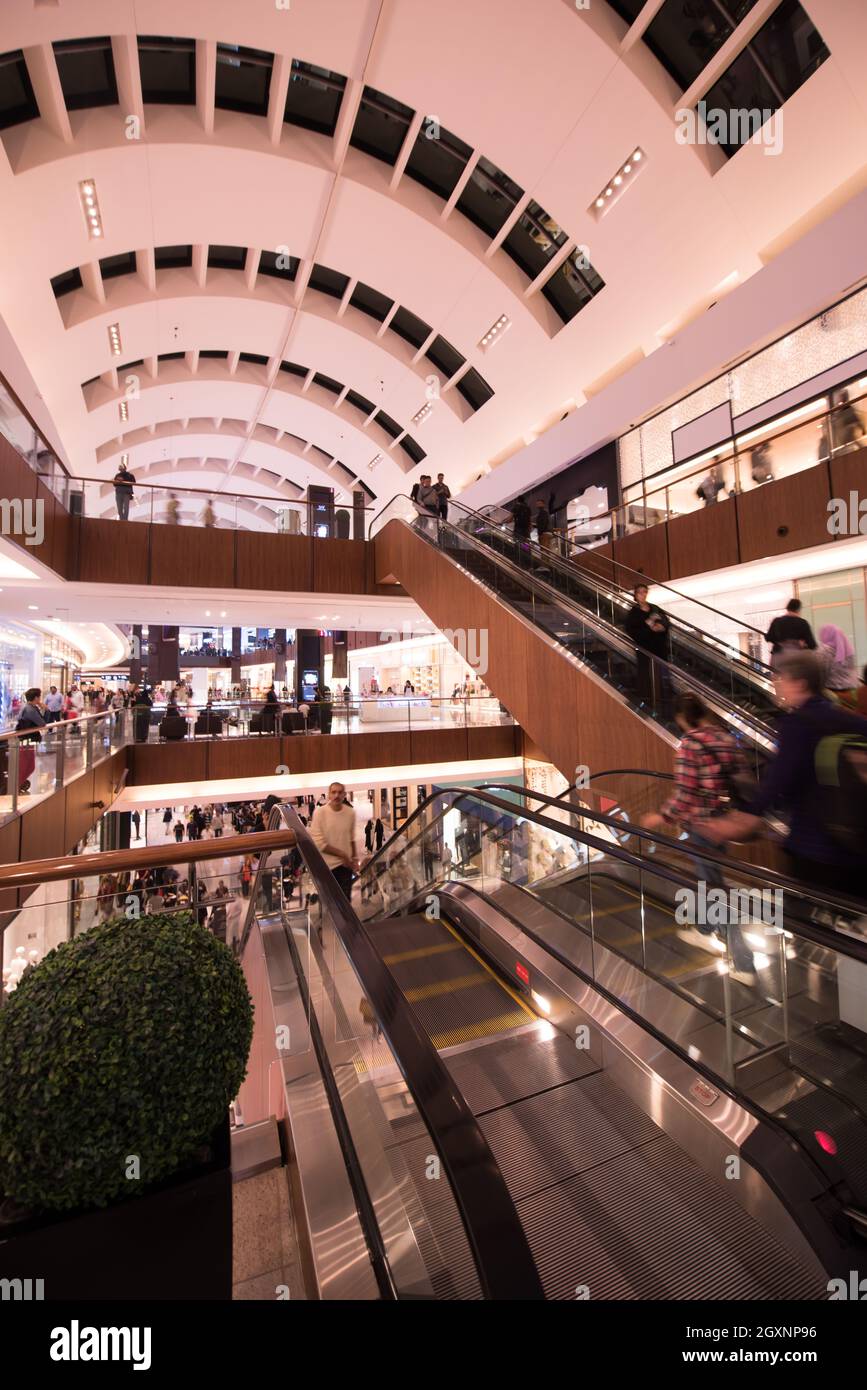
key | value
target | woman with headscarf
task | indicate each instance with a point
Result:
(838, 657)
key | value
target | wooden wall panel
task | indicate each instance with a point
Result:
(107, 777)
(339, 567)
(64, 540)
(599, 561)
(306, 753)
(438, 745)
(494, 742)
(263, 561)
(80, 811)
(244, 757)
(10, 846)
(386, 749)
(50, 508)
(703, 540)
(564, 710)
(168, 762)
(849, 474)
(644, 551)
(42, 828)
(195, 555)
(796, 506)
(114, 552)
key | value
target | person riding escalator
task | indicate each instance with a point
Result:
(648, 626)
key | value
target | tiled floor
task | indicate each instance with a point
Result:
(265, 1251)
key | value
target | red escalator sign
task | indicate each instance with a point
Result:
(522, 972)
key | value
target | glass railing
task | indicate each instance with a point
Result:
(586, 617)
(158, 504)
(766, 991)
(762, 455)
(254, 718)
(18, 429)
(402, 1119)
(35, 763)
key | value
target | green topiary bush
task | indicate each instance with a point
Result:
(129, 1041)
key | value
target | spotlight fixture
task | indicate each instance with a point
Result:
(374, 463)
(114, 339)
(421, 415)
(617, 186)
(124, 410)
(90, 208)
(495, 332)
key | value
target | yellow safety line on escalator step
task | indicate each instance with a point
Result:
(486, 1027)
(439, 987)
(422, 951)
(496, 978)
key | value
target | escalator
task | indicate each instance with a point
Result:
(599, 1088)
(571, 610)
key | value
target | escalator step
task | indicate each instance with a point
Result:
(513, 1068)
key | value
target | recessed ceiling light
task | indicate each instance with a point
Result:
(495, 332)
(114, 339)
(90, 207)
(617, 186)
(421, 415)
(124, 410)
(34, 607)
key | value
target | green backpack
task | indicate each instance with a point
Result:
(841, 775)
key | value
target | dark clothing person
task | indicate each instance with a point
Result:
(522, 518)
(543, 522)
(123, 485)
(444, 492)
(368, 836)
(379, 833)
(789, 631)
(790, 781)
(142, 715)
(648, 628)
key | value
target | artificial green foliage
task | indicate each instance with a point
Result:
(127, 1042)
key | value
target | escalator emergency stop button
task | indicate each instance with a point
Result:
(522, 972)
(703, 1092)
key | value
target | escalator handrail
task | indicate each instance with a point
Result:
(615, 637)
(724, 653)
(819, 935)
(499, 1246)
(760, 871)
(589, 550)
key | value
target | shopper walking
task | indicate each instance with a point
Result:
(142, 705)
(333, 832)
(827, 839)
(123, 491)
(379, 833)
(542, 522)
(707, 766)
(521, 518)
(53, 705)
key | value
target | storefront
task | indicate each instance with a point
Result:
(430, 664)
(20, 666)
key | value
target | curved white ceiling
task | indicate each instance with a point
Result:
(555, 96)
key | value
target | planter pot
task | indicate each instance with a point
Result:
(172, 1243)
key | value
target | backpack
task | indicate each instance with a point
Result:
(840, 762)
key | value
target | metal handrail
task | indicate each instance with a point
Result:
(301, 502)
(639, 575)
(614, 636)
(33, 872)
(58, 724)
(821, 936)
(501, 1253)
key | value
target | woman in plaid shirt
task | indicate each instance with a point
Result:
(708, 760)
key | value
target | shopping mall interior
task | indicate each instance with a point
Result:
(433, 651)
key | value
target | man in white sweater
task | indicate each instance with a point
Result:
(333, 831)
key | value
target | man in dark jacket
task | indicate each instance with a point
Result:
(522, 518)
(648, 627)
(790, 632)
(790, 781)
